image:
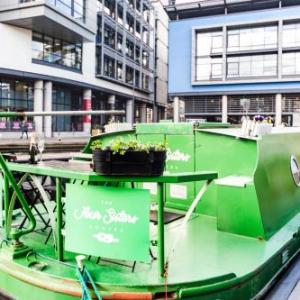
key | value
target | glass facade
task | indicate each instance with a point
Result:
(252, 66)
(209, 43)
(15, 95)
(56, 51)
(255, 38)
(249, 52)
(123, 50)
(291, 63)
(74, 8)
(209, 48)
(209, 68)
(66, 99)
(291, 35)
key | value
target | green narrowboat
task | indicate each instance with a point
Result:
(221, 223)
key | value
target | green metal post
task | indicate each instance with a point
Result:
(6, 204)
(161, 229)
(9, 178)
(59, 237)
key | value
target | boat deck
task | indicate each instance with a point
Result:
(202, 253)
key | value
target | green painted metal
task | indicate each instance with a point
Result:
(59, 237)
(226, 154)
(6, 203)
(278, 195)
(63, 172)
(164, 128)
(108, 222)
(161, 229)
(238, 211)
(16, 234)
(87, 175)
(232, 224)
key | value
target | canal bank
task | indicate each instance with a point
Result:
(52, 145)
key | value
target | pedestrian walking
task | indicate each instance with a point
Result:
(24, 129)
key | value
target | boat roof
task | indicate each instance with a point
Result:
(237, 132)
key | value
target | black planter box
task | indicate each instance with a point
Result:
(134, 163)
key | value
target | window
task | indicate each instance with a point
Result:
(66, 99)
(16, 95)
(145, 81)
(120, 14)
(119, 70)
(99, 30)
(109, 66)
(99, 60)
(137, 79)
(129, 23)
(209, 43)
(137, 54)
(129, 75)
(56, 51)
(146, 13)
(138, 29)
(254, 38)
(119, 42)
(208, 68)
(291, 63)
(291, 35)
(138, 5)
(145, 36)
(129, 49)
(109, 36)
(74, 8)
(145, 59)
(109, 7)
(37, 46)
(252, 66)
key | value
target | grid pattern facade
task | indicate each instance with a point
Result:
(240, 53)
(125, 43)
(259, 104)
(202, 105)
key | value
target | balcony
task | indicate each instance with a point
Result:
(67, 19)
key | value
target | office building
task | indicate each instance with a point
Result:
(76, 55)
(231, 58)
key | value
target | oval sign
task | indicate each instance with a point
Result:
(295, 170)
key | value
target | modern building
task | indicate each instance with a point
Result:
(235, 57)
(74, 55)
(161, 59)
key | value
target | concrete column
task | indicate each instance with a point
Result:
(130, 111)
(278, 109)
(143, 112)
(38, 105)
(176, 110)
(112, 104)
(87, 105)
(224, 109)
(48, 107)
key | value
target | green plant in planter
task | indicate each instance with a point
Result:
(120, 146)
(96, 145)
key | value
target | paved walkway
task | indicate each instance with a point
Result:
(62, 140)
(52, 145)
